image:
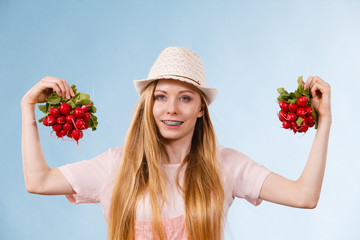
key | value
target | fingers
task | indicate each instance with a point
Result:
(60, 86)
(49, 83)
(314, 84)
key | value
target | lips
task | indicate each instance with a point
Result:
(172, 122)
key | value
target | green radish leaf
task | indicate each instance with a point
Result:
(315, 115)
(42, 119)
(93, 122)
(71, 102)
(299, 121)
(43, 108)
(282, 91)
(74, 89)
(82, 99)
(92, 109)
(53, 99)
(281, 99)
(293, 100)
(300, 80)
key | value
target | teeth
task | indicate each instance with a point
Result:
(172, 123)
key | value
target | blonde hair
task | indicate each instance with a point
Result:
(141, 170)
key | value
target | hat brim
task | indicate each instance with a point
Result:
(210, 92)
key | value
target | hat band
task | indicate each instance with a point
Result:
(197, 82)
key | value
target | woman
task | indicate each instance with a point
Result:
(171, 180)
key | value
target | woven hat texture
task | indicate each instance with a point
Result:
(181, 64)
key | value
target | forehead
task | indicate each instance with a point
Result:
(175, 85)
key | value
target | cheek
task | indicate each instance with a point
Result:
(156, 111)
(192, 113)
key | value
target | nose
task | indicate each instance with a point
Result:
(172, 107)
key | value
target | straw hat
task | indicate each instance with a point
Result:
(181, 64)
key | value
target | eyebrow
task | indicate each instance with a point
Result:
(183, 91)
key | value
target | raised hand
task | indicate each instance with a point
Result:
(44, 88)
(321, 96)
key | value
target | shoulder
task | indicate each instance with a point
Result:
(231, 160)
(228, 154)
(114, 155)
(116, 151)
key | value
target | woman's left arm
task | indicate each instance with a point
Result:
(305, 192)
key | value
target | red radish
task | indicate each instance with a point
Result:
(63, 133)
(69, 135)
(58, 133)
(50, 120)
(78, 112)
(298, 107)
(65, 108)
(304, 127)
(70, 118)
(76, 134)
(67, 127)
(85, 108)
(304, 119)
(65, 116)
(302, 101)
(293, 107)
(55, 112)
(57, 127)
(45, 122)
(310, 118)
(286, 124)
(300, 112)
(291, 117)
(81, 134)
(284, 106)
(294, 125)
(86, 116)
(80, 124)
(282, 116)
(308, 110)
(60, 119)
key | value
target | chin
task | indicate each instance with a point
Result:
(169, 137)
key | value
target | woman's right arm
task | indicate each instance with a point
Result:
(39, 177)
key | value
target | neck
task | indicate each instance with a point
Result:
(176, 150)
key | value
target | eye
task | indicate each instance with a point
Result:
(159, 97)
(185, 98)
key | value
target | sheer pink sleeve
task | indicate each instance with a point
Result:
(244, 175)
(88, 177)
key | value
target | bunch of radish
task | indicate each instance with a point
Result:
(297, 113)
(69, 117)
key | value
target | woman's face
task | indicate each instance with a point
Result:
(177, 105)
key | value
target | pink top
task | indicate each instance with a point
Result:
(93, 181)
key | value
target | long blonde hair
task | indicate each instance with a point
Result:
(141, 170)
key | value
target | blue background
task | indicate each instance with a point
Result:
(249, 48)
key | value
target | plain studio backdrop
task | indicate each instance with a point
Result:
(249, 49)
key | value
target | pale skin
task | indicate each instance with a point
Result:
(179, 101)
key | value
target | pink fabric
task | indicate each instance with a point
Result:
(174, 229)
(93, 180)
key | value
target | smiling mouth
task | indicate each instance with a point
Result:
(172, 123)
